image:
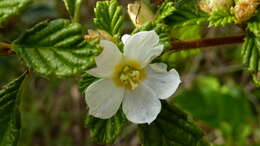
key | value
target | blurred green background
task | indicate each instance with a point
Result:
(216, 90)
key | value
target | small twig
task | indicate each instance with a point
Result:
(180, 45)
(5, 49)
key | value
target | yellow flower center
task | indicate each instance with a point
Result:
(128, 74)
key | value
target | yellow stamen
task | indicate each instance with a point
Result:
(129, 74)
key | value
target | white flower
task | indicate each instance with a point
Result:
(129, 79)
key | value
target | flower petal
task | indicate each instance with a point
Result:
(125, 37)
(163, 83)
(107, 60)
(159, 67)
(103, 98)
(141, 105)
(143, 47)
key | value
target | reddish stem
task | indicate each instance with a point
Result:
(180, 45)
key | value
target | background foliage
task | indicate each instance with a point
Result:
(217, 91)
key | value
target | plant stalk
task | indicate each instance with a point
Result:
(179, 45)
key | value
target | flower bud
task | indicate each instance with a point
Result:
(139, 13)
(212, 5)
(245, 9)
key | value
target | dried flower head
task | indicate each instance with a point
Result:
(245, 9)
(212, 5)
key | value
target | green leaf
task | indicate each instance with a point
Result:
(186, 17)
(251, 49)
(166, 9)
(254, 27)
(251, 53)
(222, 107)
(256, 79)
(220, 18)
(55, 48)
(9, 8)
(161, 29)
(85, 81)
(73, 7)
(192, 32)
(108, 16)
(190, 4)
(10, 115)
(171, 128)
(106, 131)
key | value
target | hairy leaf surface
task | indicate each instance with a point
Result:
(187, 13)
(186, 17)
(166, 9)
(106, 131)
(220, 18)
(55, 48)
(108, 16)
